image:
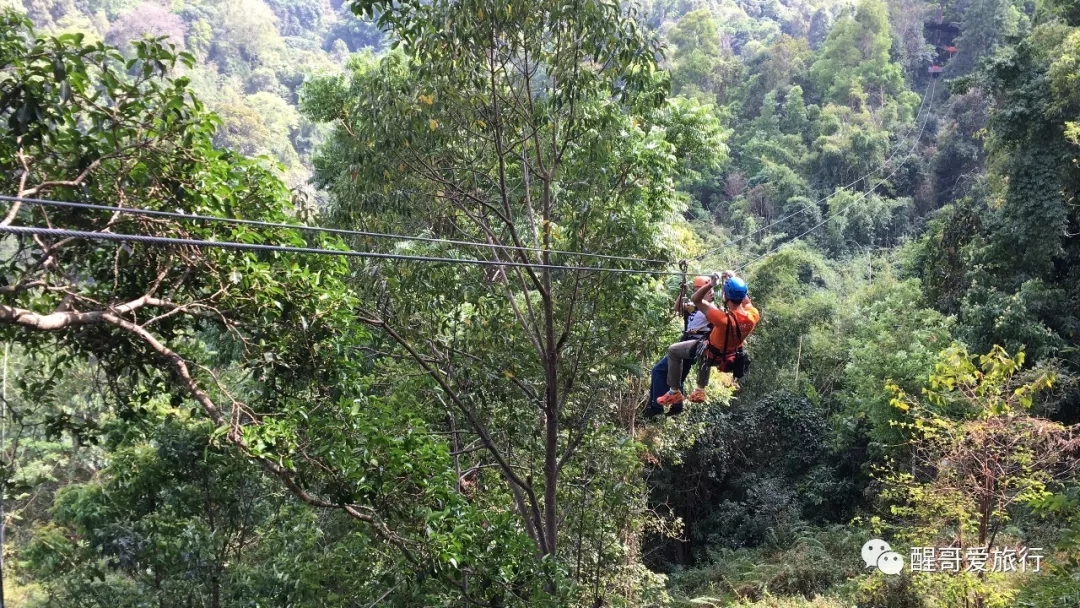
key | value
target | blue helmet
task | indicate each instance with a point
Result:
(735, 289)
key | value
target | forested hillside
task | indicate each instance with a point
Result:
(253, 58)
(437, 397)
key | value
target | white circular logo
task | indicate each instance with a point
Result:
(872, 550)
(890, 562)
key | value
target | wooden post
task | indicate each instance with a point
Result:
(798, 360)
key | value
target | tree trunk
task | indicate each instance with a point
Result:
(551, 392)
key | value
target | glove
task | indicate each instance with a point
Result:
(716, 280)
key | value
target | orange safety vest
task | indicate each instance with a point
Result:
(730, 330)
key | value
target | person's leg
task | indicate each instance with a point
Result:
(703, 374)
(698, 396)
(680, 355)
(684, 352)
(687, 365)
(658, 386)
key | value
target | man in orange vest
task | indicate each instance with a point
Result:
(730, 329)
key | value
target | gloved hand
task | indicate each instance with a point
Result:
(727, 274)
(717, 280)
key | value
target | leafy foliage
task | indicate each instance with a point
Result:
(282, 335)
(458, 435)
(977, 459)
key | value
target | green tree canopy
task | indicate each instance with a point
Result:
(855, 60)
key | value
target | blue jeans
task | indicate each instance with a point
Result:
(659, 386)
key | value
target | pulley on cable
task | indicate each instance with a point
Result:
(680, 302)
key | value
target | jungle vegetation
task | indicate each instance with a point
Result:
(192, 426)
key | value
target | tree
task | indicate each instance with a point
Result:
(908, 19)
(774, 68)
(701, 62)
(535, 128)
(696, 30)
(855, 59)
(355, 33)
(245, 36)
(961, 155)
(1023, 276)
(820, 24)
(111, 8)
(976, 455)
(850, 144)
(147, 20)
(242, 129)
(261, 124)
(986, 24)
(942, 257)
(795, 120)
(264, 347)
(1069, 10)
(296, 17)
(173, 508)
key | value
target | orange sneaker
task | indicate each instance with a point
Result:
(698, 396)
(670, 398)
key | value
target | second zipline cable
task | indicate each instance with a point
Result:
(861, 195)
(926, 95)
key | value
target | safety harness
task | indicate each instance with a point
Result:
(736, 362)
(718, 354)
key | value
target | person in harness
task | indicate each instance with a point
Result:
(695, 327)
(730, 328)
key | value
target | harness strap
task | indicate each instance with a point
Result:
(732, 323)
(680, 302)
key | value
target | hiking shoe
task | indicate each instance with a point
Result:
(670, 398)
(698, 396)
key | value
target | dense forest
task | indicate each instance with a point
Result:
(437, 397)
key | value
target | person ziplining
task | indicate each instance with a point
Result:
(695, 327)
(722, 348)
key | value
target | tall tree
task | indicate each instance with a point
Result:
(795, 120)
(700, 61)
(977, 456)
(856, 59)
(773, 68)
(263, 345)
(986, 25)
(1023, 272)
(535, 128)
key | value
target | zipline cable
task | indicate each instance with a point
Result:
(861, 195)
(885, 163)
(318, 229)
(161, 240)
(342, 232)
